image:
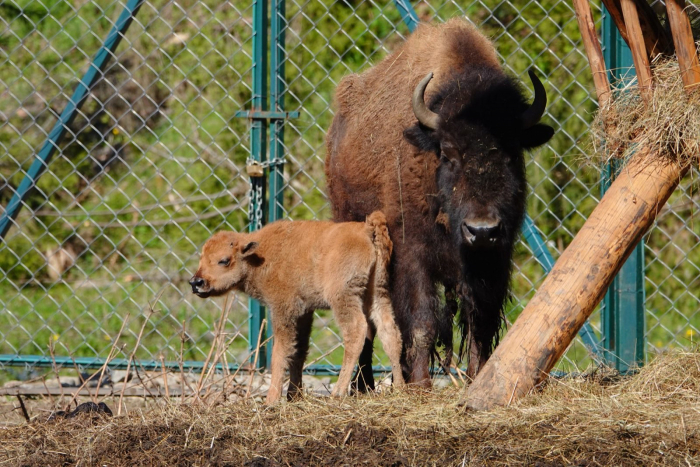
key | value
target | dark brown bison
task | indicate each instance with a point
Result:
(433, 135)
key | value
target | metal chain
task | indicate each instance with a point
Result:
(255, 210)
(266, 164)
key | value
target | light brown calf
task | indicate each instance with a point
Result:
(297, 267)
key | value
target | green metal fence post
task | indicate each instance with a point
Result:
(260, 114)
(277, 57)
(622, 310)
(278, 22)
(258, 146)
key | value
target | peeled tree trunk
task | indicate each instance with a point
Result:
(577, 283)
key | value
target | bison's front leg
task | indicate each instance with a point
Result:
(363, 380)
(414, 297)
(301, 349)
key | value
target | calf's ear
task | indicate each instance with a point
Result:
(422, 137)
(536, 135)
(249, 249)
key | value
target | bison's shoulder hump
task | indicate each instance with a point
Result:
(349, 91)
(453, 45)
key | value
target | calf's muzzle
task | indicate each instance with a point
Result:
(197, 283)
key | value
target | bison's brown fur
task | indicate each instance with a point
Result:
(430, 181)
(297, 267)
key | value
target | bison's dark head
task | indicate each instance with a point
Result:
(479, 126)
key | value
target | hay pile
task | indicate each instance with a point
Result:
(668, 123)
(652, 418)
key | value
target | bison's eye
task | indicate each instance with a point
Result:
(225, 262)
(447, 162)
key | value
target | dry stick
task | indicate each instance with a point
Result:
(48, 393)
(578, 281)
(143, 381)
(24, 409)
(165, 378)
(233, 376)
(82, 380)
(181, 365)
(636, 43)
(227, 372)
(460, 373)
(211, 348)
(235, 373)
(111, 354)
(218, 337)
(55, 367)
(133, 351)
(221, 354)
(683, 40)
(255, 359)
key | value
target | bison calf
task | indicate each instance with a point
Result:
(297, 267)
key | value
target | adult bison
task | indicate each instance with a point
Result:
(433, 135)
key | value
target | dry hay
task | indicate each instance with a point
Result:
(652, 418)
(668, 122)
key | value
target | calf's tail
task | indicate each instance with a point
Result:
(383, 247)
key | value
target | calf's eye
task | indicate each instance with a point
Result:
(225, 262)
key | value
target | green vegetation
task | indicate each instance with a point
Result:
(156, 164)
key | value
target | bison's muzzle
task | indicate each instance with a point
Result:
(482, 233)
(198, 284)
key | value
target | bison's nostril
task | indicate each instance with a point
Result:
(480, 233)
(196, 283)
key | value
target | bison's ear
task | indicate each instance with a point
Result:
(423, 138)
(249, 249)
(536, 135)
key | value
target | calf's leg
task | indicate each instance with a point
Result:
(353, 326)
(282, 350)
(382, 315)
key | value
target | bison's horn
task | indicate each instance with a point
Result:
(534, 113)
(424, 115)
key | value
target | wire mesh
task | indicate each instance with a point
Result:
(154, 163)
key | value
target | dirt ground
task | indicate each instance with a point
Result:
(652, 418)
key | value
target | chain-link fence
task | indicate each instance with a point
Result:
(155, 163)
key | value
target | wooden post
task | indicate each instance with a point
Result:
(636, 43)
(579, 279)
(656, 40)
(593, 50)
(683, 40)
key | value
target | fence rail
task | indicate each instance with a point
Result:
(154, 163)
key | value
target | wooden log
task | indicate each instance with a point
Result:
(635, 39)
(576, 284)
(656, 39)
(593, 50)
(683, 40)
